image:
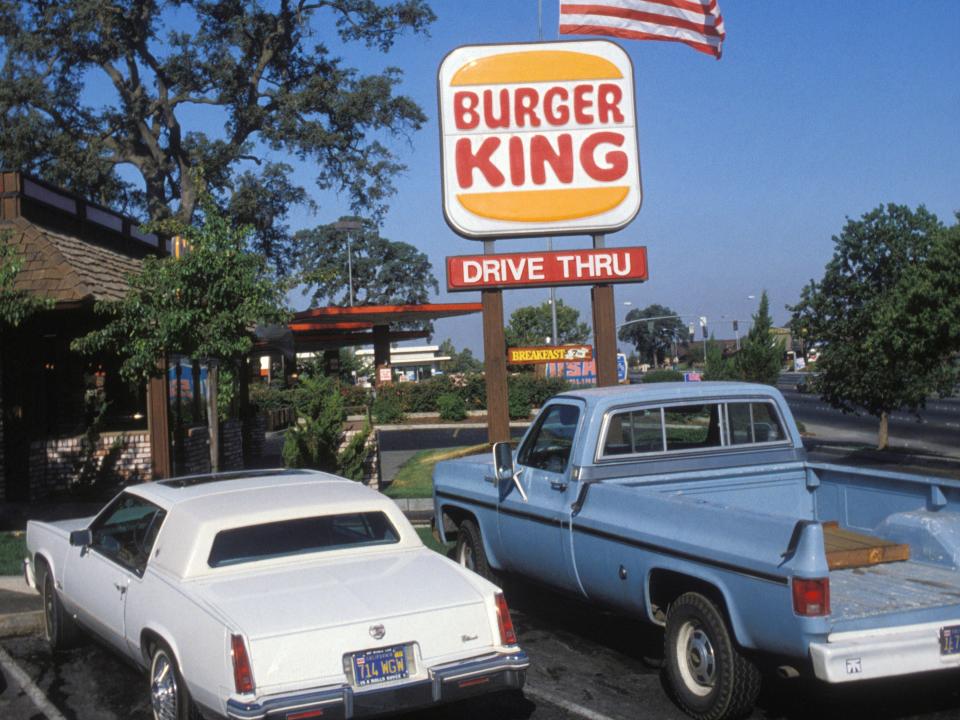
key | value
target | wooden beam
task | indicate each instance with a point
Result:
(158, 425)
(495, 362)
(604, 329)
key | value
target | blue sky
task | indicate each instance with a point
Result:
(817, 111)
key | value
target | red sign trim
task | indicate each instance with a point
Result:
(538, 269)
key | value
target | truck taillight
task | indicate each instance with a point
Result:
(811, 597)
(242, 673)
(508, 635)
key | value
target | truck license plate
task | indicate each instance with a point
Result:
(950, 640)
(377, 666)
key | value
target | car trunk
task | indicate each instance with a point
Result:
(302, 621)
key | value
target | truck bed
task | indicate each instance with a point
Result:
(865, 592)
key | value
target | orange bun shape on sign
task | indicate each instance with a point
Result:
(538, 139)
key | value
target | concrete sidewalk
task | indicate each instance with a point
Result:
(21, 611)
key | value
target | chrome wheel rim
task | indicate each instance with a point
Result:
(163, 688)
(696, 659)
(49, 618)
(466, 557)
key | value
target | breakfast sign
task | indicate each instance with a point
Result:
(538, 139)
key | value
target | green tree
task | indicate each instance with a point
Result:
(222, 87)
(718, 367)
(532, 325)
(459, 362)
(761, 354)
(880, 312)
(202, 305)
(15, 305)
(654, 341)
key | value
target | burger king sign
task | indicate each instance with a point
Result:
(538, 139)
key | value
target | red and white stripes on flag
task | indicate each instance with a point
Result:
(697, 23)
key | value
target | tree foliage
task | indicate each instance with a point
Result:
(385, 272)
(533, 324)
(221, 85)
(15, 305)
(655, 345)
(459, 362)
(760, 358)
(882, 312)
(202, 305)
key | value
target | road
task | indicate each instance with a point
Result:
(587, 665)
(935, 429)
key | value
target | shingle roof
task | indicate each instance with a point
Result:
(67, 268)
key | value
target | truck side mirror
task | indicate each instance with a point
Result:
(81, 538)
(503, 460)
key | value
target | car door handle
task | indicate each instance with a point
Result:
(121, 587)
(558, 485)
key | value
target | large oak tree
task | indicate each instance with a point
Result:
(166, 87)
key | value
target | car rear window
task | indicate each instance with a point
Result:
(299, 536)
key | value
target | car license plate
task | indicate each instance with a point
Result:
(377, 666)
(950, 640)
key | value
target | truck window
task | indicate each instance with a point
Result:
(692, 427)
(549, 444)
(754, 423)
(635, 431)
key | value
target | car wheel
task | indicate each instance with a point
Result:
(470, 553)
(169, 698)
(709, 677)
(59, 629)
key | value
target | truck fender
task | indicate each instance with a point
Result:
(663, 586)
(453, 515)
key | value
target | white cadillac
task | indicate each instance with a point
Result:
(276, 594)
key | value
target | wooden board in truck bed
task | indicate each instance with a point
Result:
(847, 549)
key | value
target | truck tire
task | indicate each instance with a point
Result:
(470, 553)
(709, 677)
(59, 629)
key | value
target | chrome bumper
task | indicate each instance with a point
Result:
(28, 574)
(446, 683)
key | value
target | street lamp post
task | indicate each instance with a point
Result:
(347, 226)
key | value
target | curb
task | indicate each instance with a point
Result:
(20, 624)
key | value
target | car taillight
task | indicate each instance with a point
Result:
(811, 597)
(242, 674)
(508, 635)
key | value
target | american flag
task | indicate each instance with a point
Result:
(697, 23)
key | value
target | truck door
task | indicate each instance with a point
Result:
(535, 533)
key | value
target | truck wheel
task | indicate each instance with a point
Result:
(709, 677)
(59, 629)
(470, 553)
(169, 698)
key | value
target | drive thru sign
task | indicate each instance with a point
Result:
(538, 139)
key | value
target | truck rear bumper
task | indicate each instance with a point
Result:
(447, 683)
(868, 654)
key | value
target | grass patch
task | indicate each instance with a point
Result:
(426, 534)
(13, 549)
(415, 477)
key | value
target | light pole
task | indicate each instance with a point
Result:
(347, 226)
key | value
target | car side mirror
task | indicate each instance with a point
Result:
(503, 460)
(81, 538)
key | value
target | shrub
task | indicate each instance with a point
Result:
(387, 408)
(351, 460)
(657, 376)
(518, 406)
(451, 407)
(314, 441)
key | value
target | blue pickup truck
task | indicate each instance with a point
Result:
(693, 506)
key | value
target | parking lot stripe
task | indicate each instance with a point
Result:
(564, 704)
(29, 687)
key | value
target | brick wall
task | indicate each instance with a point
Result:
(3, 482)
(254, 438)
(231, 445)
(196, 451)
(54, 462)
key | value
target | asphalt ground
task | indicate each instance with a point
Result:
(587, 664)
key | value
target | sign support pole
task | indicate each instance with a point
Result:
(604, 328)
(495, 360)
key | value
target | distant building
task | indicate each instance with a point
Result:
(409, 364)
